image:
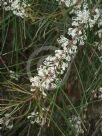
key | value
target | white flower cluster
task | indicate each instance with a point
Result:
(67, 3)
(82, 20)
(38, 117)
(18, 7)
(97, 94)
(6, 122)
(53, 67)
(84, 17)
(77, 125)
(77, 35)
(13, 75)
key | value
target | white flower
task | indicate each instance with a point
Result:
(73, 32)
(76, 124)
(68, 3)
(16, 6)
(36, 81)
(42, 71)
(68, 58)
(97, 94)
(82, 18)
(13, 75)
(38, 116)
(72, 51)
(60, 54)
(62, 40)
(6, 121)
(74, 48)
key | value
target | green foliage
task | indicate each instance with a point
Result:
(18, 39)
